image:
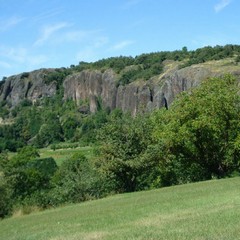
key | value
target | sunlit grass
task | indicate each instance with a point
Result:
(60, 155)
(205, 210)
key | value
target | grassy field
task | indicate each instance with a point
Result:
(205, 210)
(60, 155)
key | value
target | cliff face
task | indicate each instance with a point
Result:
(93, 86)
(27, 86)
(139, 96)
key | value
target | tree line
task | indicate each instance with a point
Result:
(146, 65)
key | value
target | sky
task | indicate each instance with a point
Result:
(58, 33)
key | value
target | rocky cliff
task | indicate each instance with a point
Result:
(94, 86)
(30, 86)
(140, 96)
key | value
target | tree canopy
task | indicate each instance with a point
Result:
(199, 136)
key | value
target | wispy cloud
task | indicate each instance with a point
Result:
(76, 35)
(37, 60)
(122, 45)
(79, 35)
(91, 52)
(100, 41)
(19, 55)
(9, 23)
(211, 40)
(5, 65)
(47, 14)
(15, 54)
(131, 3)
(221, 5)
(48, 32)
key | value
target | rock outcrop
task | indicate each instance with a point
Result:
(138, 96)
(90, 88)
(27, 86)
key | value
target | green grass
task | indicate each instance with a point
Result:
(60, 155)
(205, 210)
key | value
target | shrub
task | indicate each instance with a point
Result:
(5, 197)
(76, 180)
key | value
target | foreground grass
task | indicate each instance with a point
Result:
(206, 210)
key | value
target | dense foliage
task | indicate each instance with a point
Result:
(198, 138)
(49, 122)
(76, 180)
(124, 141)
(145, 66)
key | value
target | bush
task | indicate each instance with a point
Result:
(27, 174)
(5, 197)
(24, 75)
(75, 181)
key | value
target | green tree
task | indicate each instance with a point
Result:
(198, 136)
(5, 197)
(123, 140)
(75, 181)
(50, 132)
(26, 173)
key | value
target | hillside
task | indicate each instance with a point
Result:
(205, 210)
(139, 84)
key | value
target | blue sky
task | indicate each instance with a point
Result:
(57, 33)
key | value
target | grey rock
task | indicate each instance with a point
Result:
(27, 86)
(92, 88)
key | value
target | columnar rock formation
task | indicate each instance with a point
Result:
(27, 86)
(94, 86)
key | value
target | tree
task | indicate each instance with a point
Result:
(76, 180)
(69, 127)
(5, 197)
(198, 136)
(124, 139)
(50, 132)
(26, 173)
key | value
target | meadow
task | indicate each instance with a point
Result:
(62, 154)
(203, 210)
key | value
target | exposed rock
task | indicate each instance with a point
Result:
(179, 81)
(95, 86)
(91, 88)
(91, 85)
(93, 104)
(134, 97)
(27, 85)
